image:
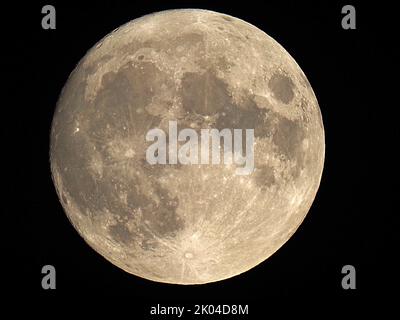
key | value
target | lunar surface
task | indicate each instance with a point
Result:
(186, 223)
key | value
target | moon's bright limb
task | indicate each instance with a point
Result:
(186, 224)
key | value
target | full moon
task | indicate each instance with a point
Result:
(175, 222)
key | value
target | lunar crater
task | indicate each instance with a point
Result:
(281, 87)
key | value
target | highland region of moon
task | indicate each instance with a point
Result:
(174, 222)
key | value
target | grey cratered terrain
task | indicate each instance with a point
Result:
(186, 224)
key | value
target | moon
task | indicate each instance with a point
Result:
(177, 223)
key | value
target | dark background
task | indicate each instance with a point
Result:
(350, 222)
